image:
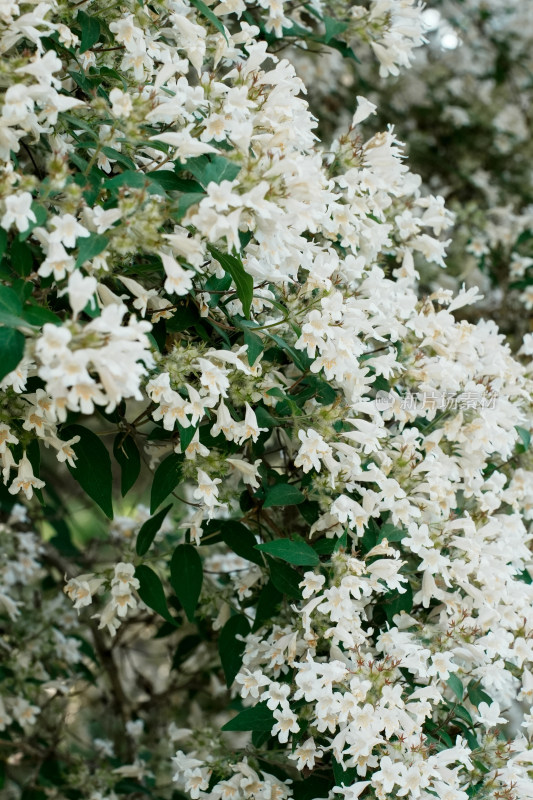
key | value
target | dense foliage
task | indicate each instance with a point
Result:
(266, 504)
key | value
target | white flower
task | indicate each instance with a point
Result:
(286, 722)
(18, 211)
(80, 291)
(121, 104)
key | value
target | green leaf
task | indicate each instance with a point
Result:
(208, 14)
(243, 281)
(456, 686)
(394, 602)
(211, 169)
(146, 535)
(219, 169)
(152, 593)
(92, 467)
(186, 576)
(464, 714)
(90, 30)
(255, 346)
(89, 247)
(283, 494)
(129, 178)
(477, 695)
(128, 458)
(10, 308)
(186, 436)
(525, 437)
(230, 648)
(295, 552)
(391, 533)
(241, 540)
(38, 316)
(166, 478)
(173, 183)
(333, 28)
(258, 718)
(11, 350)
(185, 202)
(285, 579)
(267, 605)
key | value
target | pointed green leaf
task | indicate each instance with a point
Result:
(285, 579)
(92, 467)
(128, 457)
(152, 593)
(255, 346)
(186, 576)
(283, 494)
(257, 718)
(241, 540)
(243, 282)
(166, 478)
(11, 350)
(90, 30)
(146, 535)
(334, 27)
(89, 247)
(455, 685)
(298, 553)
(230, 648)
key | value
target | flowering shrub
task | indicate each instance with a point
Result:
(464, 111)
(266, 510)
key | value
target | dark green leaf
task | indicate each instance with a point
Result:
(89, 247)
(255, 346)
(36, 315)
(185, 648)
(230, 648)
(129, 178)
(243, 281)
(152, 593)
(295, 552)
(127, 456)
(285, 579)
(267, 605)
(146, 535)
(391, 533)
(333, 28)
(241, 540)
(258, 718)
(186, 576)
(11, 350)
(21, 258)
(283, 494)
(185, 202)
(186, 436)
(173, 183)
(10, 308)
(456, 686)
(93, 466)
(166, 478)
(90, 31)
(477, 695)
(394, 602)
(219, 169)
